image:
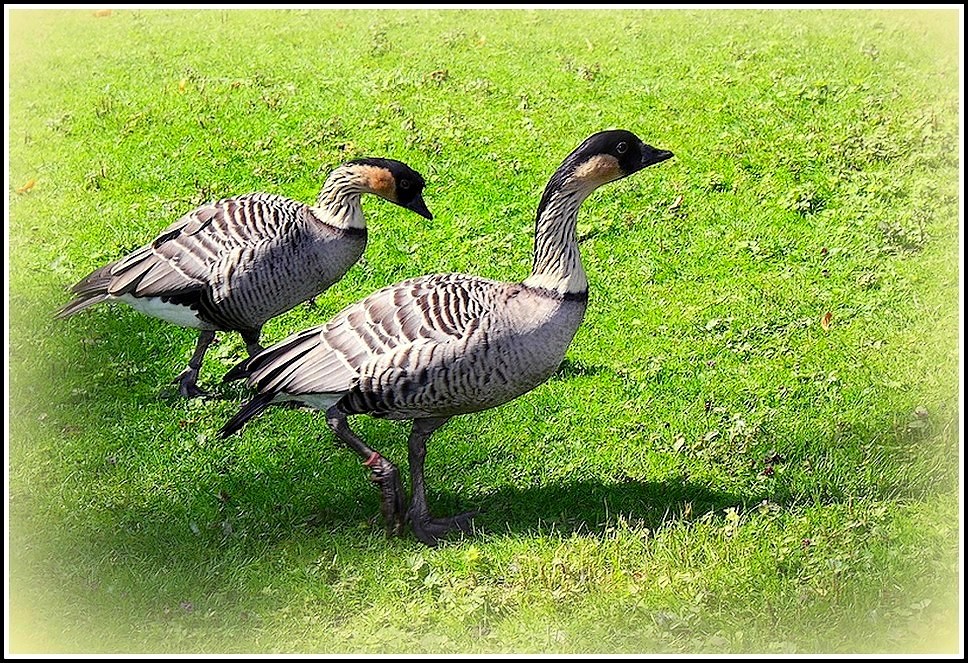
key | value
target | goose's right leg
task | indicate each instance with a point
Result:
(392, 496)
(427, 528)
(186, 380)
(251, 339)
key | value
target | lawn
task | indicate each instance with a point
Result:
(753, 445)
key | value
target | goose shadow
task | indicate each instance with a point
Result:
(244, 514)
(582, 507)
(592, 507)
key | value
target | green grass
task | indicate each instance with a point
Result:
(712, 470)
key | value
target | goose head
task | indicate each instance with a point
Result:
(394, 181)
(608, 156)
(601, 158)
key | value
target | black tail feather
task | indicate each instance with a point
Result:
(239, 371)
(78, 305)
(246, 412)
(92, 289)
(246, 367)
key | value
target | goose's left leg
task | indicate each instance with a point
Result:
(385, 474)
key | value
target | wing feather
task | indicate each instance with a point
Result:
(189, 253)
(392, 326)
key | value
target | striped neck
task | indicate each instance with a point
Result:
(338, 203)
(557, 263)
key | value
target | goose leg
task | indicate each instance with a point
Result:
(429, 530)
(384, 474)
(251, 338)
(186, 380)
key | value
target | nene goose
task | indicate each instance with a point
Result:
(436, 346)
(233, 264)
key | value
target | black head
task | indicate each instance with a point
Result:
(624, 146)
(397, 182)
(603, 157)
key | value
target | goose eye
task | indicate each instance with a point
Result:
(622, 148)
(404, 184)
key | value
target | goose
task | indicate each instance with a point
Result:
(434, 347)
(233, 264)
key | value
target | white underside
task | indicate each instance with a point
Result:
(173, 313)
(316, 401)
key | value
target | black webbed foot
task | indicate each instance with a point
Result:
(187, 386)
(431, 530)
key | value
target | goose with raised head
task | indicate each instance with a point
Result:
(234, 264)
(437, 346)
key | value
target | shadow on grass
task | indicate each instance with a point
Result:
(582, 507)
(120, 355)
(592, 507)
(266, 508)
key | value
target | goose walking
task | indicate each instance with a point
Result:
(437, 346)
(233, 264)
